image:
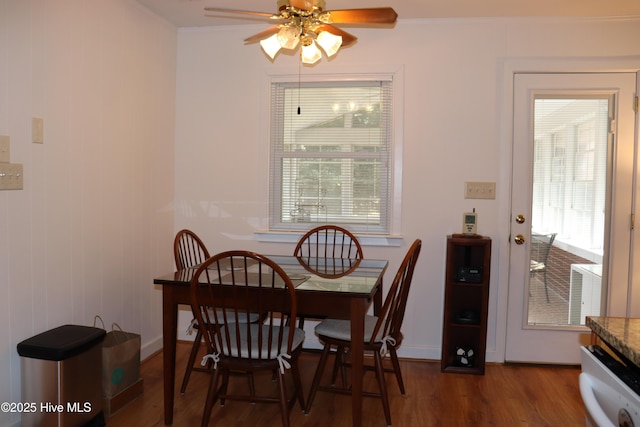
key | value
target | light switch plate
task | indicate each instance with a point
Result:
(5, 152)
(11, 176)
(479, 190)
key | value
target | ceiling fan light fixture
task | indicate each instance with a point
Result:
(288, 37)
(330, 43)
(271, 45)
(309, 52)
(306, 24)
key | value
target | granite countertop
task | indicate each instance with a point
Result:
(620, 333)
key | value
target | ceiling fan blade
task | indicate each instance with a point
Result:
(262, 35)
(241, 12)
(374, 15)
(347, 39)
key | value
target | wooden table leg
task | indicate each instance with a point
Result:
(377, 300)
(357, 358)
(169, 338)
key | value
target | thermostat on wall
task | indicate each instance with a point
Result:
(470, 222)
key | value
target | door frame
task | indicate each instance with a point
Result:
(505, 127)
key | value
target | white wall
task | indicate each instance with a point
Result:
(453, 132)
(94, 223)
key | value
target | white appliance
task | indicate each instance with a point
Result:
(610, 390)
(585, 292)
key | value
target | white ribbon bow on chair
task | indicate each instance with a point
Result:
(387, 340)
(283, 363)
(213, 356)
(282, 360)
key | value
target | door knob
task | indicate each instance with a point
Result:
(519, 239)
(520, 219)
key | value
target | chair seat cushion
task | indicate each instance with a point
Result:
(242, 317)
(341, 329)
(298, 338)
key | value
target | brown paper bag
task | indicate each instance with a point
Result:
(120, 360)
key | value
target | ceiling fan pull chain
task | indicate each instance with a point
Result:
(299, 72)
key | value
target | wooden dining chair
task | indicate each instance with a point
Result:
(238, 283)
(321, 245)
(189, 251)
(329, 241)
(382, 336)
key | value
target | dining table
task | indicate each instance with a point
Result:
(325, 287)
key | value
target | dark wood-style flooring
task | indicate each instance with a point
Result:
(504, 396)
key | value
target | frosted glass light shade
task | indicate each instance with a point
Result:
(330, 43)
(288, 37)
(310, 53)
(271, 45)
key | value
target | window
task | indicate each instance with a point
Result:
(570, 173)
(331, 155)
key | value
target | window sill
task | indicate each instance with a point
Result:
(293, 237)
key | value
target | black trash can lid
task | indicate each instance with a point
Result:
(61, 343)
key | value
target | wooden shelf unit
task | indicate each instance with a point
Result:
(466, 301)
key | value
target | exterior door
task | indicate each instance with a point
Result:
(572, 188)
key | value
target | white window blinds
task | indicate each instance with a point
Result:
(331, 147)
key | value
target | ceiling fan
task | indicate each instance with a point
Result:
(306, 23)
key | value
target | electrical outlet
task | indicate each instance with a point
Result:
(5, 152)
(11, 176)
(479, 190)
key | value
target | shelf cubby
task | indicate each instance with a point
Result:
(466, 301)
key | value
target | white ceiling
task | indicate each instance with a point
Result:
(190, 13)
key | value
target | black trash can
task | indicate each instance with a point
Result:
(61, 375)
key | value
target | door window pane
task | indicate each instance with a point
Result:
(571, 146)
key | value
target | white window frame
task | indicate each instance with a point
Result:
(395, 74)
